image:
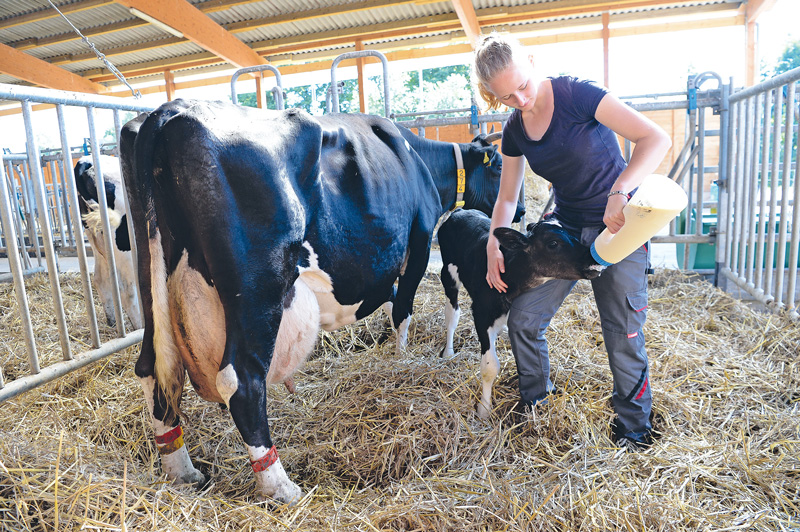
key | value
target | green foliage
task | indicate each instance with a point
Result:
(443, 88)
(790, 58)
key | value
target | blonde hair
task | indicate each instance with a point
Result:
(493, 54)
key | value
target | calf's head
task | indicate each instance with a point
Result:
(483, 163)
(546, 251)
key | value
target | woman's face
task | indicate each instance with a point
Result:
(515, 86)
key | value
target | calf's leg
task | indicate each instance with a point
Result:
(490, 364)
(452, 312)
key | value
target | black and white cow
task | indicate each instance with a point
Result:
(86, 184)
(254, 229)
(547, 251)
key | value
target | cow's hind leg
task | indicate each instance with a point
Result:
(419, 247)
(490, 364)
(452, 312)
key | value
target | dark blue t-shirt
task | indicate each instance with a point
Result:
(580, 156)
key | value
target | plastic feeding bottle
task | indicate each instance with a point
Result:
(657, 201)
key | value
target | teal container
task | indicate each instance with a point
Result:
(701, 256)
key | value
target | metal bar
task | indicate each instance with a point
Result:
(50, 253)
(785, 178)
(39, 95)
(30, 210)
(68, 218)
(762, 227)
(77, 228)
(59, 218)
(102, 202)
(259, 69)
(795, 232)
(737, 191)
(60, 369)
(19, 283)
(16, 210)
(773, 188)
(752, 187)
(354, 55)
(772, 83)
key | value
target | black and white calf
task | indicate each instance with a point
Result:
(86, 184)
(546, 252)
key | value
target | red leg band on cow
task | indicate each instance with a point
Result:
(171, 441)
(263, 463)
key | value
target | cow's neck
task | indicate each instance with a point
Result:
(440, 159)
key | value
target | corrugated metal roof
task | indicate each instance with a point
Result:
(309, 27)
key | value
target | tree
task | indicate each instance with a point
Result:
(789, 59)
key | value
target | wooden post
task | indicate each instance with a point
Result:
(362, 98)
(169, 82)
(606, 35)
(750, 53)
(259, 92)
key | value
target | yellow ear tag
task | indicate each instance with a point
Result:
(485, 158)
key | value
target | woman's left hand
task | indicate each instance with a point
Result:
(613, 217)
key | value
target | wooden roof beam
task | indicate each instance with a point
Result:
(198, 28)
(469, 20)
(34, 70)
(48, 12)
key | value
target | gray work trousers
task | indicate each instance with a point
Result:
(620, 293)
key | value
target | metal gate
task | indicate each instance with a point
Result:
(39, 218)
(758, 248)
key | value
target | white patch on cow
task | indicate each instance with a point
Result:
(402, 334)
(597, 267)
(177, 465)
(94, 220)
(297, 334)
(490, 368)
(452, 269)
(332, 314)
(227, 383)
(451, 317)
(169, 368)
(274, 482)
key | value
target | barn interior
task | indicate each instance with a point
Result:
(381, 440)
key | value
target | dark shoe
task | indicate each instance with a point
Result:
(629, 440)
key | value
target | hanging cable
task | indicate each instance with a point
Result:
(99, 54)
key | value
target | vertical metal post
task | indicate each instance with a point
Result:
(16, 210)
(17, 273)
(723, 212)
(77, 228)
(103, 205)
(761, 225)
(59, 217)
(50, 253)
(785, 221)
(753, 144)
(68, 218)
(738, 172)
(774, 216)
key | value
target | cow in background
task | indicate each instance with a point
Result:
(254, 228)
(86, 184)
(546, 251)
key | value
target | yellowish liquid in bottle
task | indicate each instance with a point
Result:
(657, 201)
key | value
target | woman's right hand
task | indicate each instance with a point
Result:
(495, 265)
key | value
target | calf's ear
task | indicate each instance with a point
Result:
(510, 239)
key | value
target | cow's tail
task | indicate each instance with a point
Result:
(169, 370)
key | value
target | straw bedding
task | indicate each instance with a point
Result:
(387, 441)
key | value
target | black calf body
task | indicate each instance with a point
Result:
(546, 252)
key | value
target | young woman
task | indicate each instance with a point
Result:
(567, 131)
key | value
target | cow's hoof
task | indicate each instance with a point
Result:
(290, 495)
(111, 321)
(195, 478)
(483, 412)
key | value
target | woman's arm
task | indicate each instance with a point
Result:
(510, 182)
(652, 144)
